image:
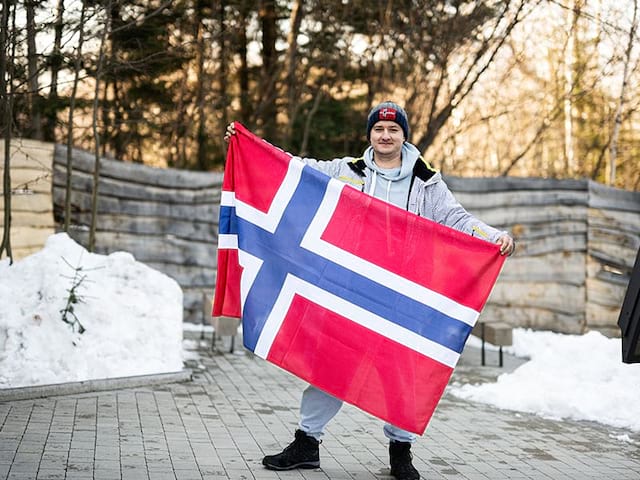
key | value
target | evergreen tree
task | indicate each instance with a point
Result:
(140, 76)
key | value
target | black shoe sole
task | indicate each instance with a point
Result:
(307, 465)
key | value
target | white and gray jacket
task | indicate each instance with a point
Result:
(428, 194)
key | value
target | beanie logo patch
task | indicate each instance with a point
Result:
(387, 114)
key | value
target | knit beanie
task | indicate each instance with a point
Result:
(391, 112)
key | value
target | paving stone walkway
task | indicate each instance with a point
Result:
(238, 408)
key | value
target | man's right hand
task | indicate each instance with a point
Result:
(231, 130)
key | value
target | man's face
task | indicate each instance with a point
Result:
(386, 138)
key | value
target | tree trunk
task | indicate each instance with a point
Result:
(117, 137)
(72, 104)
(96, 134)
(307, 124)
(613, 147)
(267, 106)
(7, 118)
(293, 89)
(201, 133)
(35, 117)
(223, 72)
(245, 107)
(4, 47)
(573, 14)
(181, 120)
(109, 130)
(49, 126)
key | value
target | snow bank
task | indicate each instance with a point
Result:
(579, 377)
(132, 315)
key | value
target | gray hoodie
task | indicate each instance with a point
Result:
(392, 185)
(416, 186)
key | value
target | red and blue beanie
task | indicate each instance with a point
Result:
(391, 112)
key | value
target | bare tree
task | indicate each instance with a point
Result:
(96, 132)
(243, 74)
(56, 65)
(292, 84)
(33, 72)
(72, 105)
(6, 82)
(542, 128)
(223, 69)
(613, 146)
(201, 134)
(308, 120)
(573, 15)
(480, 60)
(178, 138)
(267, 108)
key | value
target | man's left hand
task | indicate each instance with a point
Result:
(507, 245)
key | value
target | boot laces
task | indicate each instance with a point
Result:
(301, 445)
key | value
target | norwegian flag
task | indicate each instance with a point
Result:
(360, 298)
(387, 114)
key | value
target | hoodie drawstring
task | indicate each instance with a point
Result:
(372, 187)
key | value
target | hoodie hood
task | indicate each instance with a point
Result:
(410, 155)
(392, 185)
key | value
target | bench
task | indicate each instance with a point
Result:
(499, 334)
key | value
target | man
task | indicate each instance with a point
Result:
(393, 170)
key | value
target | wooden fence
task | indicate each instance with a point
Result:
(576, 239)
(31, 204)
(166, 218)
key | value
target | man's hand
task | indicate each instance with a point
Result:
(231, 130)
(507, 245)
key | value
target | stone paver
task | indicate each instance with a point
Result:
(239, 408)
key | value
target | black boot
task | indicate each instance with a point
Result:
(303, 452)
(400, 460)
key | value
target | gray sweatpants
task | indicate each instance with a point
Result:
(317, 408)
